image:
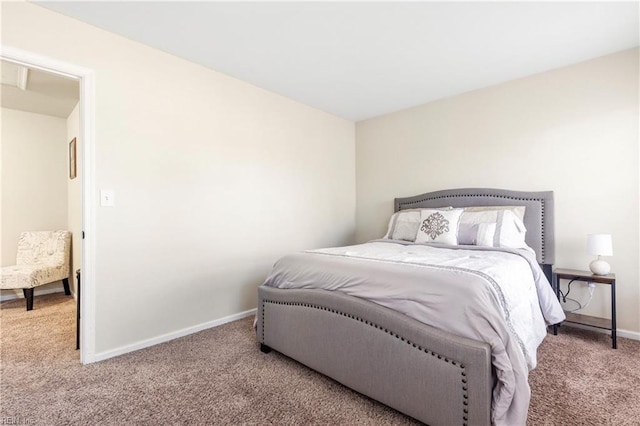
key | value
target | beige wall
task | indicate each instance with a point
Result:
(573, 130)
(34, 179)
(74, 198)
(214, 179)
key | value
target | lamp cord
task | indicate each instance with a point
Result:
(565, 298)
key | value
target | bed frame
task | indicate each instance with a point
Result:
(433, 376)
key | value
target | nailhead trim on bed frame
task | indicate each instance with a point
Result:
(465, 395)
(540, 200)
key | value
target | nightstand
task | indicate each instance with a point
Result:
(586, 276)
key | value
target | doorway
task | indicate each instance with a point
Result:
(85, 129)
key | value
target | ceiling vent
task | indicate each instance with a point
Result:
(15, 75)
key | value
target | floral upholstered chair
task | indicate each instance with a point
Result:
(43, 257)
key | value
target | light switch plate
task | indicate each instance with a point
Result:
(107, 198)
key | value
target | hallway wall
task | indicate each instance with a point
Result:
(34, 179)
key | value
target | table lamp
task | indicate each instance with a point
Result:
(599, 245)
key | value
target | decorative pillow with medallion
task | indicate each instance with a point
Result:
(439, 226)
(404, 224)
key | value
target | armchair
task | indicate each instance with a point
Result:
(43, 257)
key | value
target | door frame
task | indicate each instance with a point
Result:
(86, 78)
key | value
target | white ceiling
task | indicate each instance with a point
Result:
(358, 60)
(44, 92)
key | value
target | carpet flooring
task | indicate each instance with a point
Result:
(219, 376)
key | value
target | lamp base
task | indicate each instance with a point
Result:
(600, 267)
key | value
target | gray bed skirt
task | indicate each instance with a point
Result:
(430, 375)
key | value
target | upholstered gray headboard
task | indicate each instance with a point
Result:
(538, 217)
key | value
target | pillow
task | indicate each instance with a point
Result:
(486, 234)
(406, 226)
(512, 231)
(509, 230)
(479, 234)
(394, 220)
(439, 226)
(518, 210)
(409, 222)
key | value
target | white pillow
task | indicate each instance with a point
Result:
(478, 234)
(406, 227)
(394, 220)
(509, 231)
(512, 231)
(486, 234)
(518, 210)
(439, 226)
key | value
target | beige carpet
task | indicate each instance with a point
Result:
(219, 376)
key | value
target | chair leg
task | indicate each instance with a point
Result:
(65, 283)
(28, 294)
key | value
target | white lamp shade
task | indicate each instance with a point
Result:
(599, 245)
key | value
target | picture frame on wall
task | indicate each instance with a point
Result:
(72, 159)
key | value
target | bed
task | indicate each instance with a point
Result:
(471, 367)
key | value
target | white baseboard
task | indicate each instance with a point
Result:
(620, 332)
(35, 293)
(170, 336)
